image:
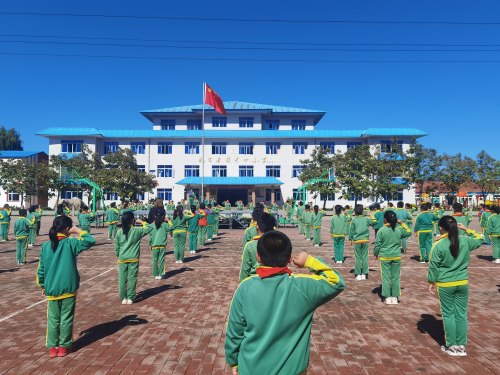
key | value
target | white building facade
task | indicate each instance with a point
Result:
(253, 153)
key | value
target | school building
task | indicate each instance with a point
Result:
(252, 153)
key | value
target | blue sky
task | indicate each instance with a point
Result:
(457, 103)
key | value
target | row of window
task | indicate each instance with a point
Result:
(221, 170)
(244, 122)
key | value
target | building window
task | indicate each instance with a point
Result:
(139, 196)
(165, 194)
(13, 197)
(164, 148)
(164, 171)
(71, 146)
(192, 148)
(299, 148)
(141, 168)
(219, 171)
(272, 125)
(219, 122)
(246, 148)
(110, 196)
(194, 124)
(218, 148)
(273, 171)
(246, 122)
(299, 195)
(272, 148)
(246, 170)
(297, 170)
(110, 147)
(138, 147)
(167, 124)
(192, 171)
(277, 195)
(68, 194)
(388, 147)
(328, 197)
(353, 144)
(352, 197)
(298, 124)
(398, 196)
(330, 146)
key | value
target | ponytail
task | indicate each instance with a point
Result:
(449, 225)
(127, 222)
(59, 225)
(159, 219)
(316, 209)
(178, 211)
(338, 209)
(391, 218)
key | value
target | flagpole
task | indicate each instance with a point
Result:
(202, 198)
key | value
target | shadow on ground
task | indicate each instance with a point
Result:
(489, 258)
(151, 292)
(430, 325)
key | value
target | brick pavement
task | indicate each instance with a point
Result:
(177, 324)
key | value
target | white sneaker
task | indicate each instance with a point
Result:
(316, 245)
(124, 301)
(363, 277)
(422, 262)
(129, 302)
(450, 350)
(157, 277)
(338, 261)
(388, 301)
(308, 239)
(395, 301)
(359, 277)
(109, 239)
(461, 351)
(497, 261)
(30, 245)
(180, 261)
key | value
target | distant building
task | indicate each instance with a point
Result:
(13, 198)
(253, 153)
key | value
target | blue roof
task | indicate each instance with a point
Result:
(18, 154)
(231, 134)
(231, 181)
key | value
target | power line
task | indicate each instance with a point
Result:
(265, 20)
(244, 59)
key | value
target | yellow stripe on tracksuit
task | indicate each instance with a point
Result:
(127, 261)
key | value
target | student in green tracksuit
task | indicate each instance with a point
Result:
(338, 231)
(359, 234)
(158, 243)
(126, 208)
(270, 318)
(288, 207)
(210, 222)
(388, 250)
(250, 206)
(484, 222)
(216, 210)
(227, 206)
(5, 222)
(251, 231)
(307, 218)
(112, 218)
(58, 277)
(298, 214)
(85, 218)
(378, 216)
(22, 228)
(128, 252)
(179, 228)
(390, 207)
(202, 225)
(403, 215)
(448, 274)
(192, 230)
(423, 230)
(32, 234)
(438, 212)
(459, 216)
(493, 230)
(249, 263)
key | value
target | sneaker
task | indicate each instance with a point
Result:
(461, 351)
(129, 301)
(63, 352)
(157, 277)
(358, 277)
(177, 261)
(316, 245)
(339, 261)
(422, 261)
(53, 352)
(109, 239)
(450, 350)
(124, 301)
(30, 245)
(363, 277)
(497, 261)
(388, 301)
(395, 301)
(308, 239)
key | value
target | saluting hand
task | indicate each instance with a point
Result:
(75, 230)
(462, 227)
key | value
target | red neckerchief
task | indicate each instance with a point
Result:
(458, 214)
(61, 236)
(265, 272)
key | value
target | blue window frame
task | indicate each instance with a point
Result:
(393, 197)
(277, 195)
(330, 146)
(13, 196)
(272, 148)
(297, 170)
(353, 144)
(328, 197)
(219, 148)
(192, 148)
(298, 195)
(141, 168)
(165, 194)
(138, 147)
(246, 122)
(192, 171)
(246, 170)
(352, 197)
(272, 125)
(298, 124)
(388, 146)
(68, 194)
(273, 171)
(219, 171)
(164, 147)
(246, 148)
(194, 124)
(167, 124)
(299, 148)
(164, 171)
(71, 146)
(139, 196)
(110, 147)
(219, 122)
(110, 196)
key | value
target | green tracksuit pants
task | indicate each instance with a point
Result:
(361, 258)
(21, 246)
(453, 302)
(301, 227)
(127, 279)
(216, 227)
(487, 240)
(317, 236)
(496, 246)
(179, 245)
(60, 315)
(5, 231)
(425, 245)
(158, 257)
(193, 241)
(390, 272)
(202, 235)
(111, 231)
(32, 236)
(210, 231)
(338, 248)
(307, 230)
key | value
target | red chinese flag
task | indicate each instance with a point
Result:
(211, 98)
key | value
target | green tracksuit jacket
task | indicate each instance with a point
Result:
(493, 228)
(404, 215)
(338, 226)
(360, 229)
(249, 261)
(299, 212)
(263, 336)
(425, 221)
(250, 233)
(4, 216)
(158, 236)
(193, 223)
(57, 272)
(462, 218)
(388, 242)
(112, 216)
(378, 216)
(22, 227)
(307, 217)
(85, 219)
(128, 248)
(484, 218)
(180, 225)
(316, 218)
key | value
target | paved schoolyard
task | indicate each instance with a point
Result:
(177, 324)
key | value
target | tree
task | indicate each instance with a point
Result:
(487, 173)
(456, 171)
(423, 165)
(10, 139)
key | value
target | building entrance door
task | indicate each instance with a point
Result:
(232, 195)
